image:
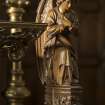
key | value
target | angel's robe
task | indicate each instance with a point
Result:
(58, 52)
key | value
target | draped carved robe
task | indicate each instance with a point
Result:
(57, 58)
(58, 52)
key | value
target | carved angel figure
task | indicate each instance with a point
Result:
(54, 47)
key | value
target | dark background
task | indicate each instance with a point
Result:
(91, 54)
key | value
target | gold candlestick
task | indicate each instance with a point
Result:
(17, 91)
(16, 11)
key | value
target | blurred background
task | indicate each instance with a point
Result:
(90, 45)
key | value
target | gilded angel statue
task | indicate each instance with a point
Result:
(54, 47)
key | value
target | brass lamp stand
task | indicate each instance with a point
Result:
(16, 42)
(17, 90)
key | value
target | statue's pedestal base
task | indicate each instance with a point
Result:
(63, 94)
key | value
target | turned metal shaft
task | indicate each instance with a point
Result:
(17, 91)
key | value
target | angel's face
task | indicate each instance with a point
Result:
(65, 5)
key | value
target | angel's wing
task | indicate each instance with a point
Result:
(42, 11)
(43, 8)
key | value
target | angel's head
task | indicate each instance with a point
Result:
(64, 5)
(58, 2)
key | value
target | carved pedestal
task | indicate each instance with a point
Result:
(63, 94)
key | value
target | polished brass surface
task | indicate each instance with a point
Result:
(16, 41)
(17, 91)
(16, 11)
(16, 44)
